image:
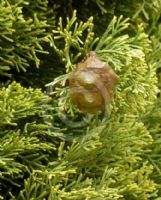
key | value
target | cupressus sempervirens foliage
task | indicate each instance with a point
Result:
(48, 148)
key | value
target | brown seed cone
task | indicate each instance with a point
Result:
(92, 84)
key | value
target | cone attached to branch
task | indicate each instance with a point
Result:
(92, 84)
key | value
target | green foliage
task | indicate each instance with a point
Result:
(17, 103)
(77, 37)
(24, 145)
(48, 148)
(21, 37)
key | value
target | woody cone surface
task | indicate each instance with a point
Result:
(92, 84)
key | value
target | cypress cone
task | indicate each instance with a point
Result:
(92, 84)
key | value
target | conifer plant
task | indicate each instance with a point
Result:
(80, 104)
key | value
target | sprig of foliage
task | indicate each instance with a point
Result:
(17, 103)
(127, 56)
(21, 152)
(73, 40)
(21, 38)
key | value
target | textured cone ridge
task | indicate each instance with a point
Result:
(92, 84)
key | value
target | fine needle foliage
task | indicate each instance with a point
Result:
(21, 36)
(51, 150)
(77, 37)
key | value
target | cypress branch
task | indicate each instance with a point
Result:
(48, 148)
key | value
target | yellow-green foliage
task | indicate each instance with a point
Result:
(48, 148)
(21, 36)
